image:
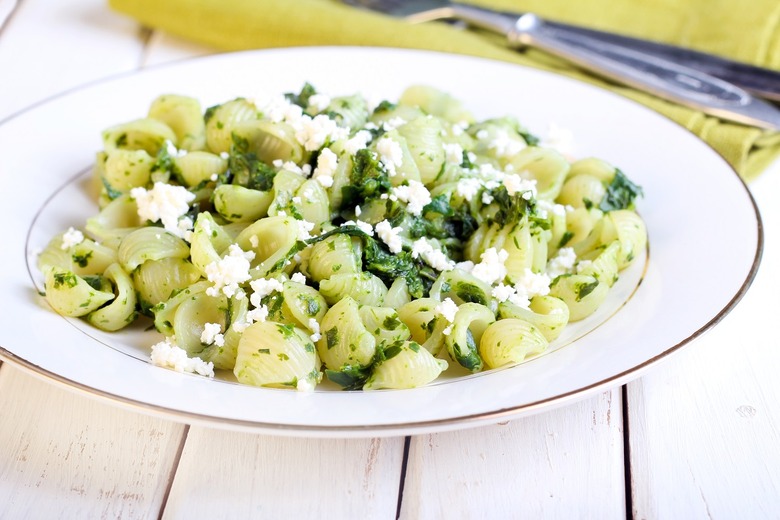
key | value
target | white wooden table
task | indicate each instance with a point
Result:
(696, 437)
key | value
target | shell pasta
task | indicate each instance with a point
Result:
(303, 238)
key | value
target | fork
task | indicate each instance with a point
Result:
(641, 70)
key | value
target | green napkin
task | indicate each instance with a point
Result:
(748, 32)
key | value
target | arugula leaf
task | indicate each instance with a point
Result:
(621, 193)
(368, 179)
(245, 169)
(302, 98)
(388, 266)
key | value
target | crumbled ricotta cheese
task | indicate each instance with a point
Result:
(468, 188)
(504, 145)
(393, 123)
(529, 285)
(298, 278)
(562, 263)
(358, 211)
(72, 237)
(167, 354)
(327, 162)
(545, 207)
(165, 203)
(314, 327)
(459, 127)
(314, 132)
(434, 257)
(224, 155)
(390, 153)
(304, 229)
(516, 184)
(502, 292)
(466, 265)
(491, 269)
(279, 109)
(448, 309)
(254, 241)
(390, 236)
(212, 334)
(453, 153)
(171, 149)
(357, 142)
(262, 287)
(365, 227)
(319, 102)
(416, 196)
(229, 271)
(304, 385)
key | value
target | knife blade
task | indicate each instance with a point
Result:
(760, 81)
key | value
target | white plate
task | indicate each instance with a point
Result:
(705, 239)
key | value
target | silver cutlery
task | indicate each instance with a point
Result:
(609, 57)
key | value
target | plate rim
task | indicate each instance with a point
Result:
(387, 429)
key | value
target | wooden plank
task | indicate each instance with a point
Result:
(49, 46)
(704, 427)
(66, 456)
(566, 463)
(238, 475)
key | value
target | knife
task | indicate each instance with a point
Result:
(757, 80)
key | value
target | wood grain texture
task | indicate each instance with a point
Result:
(549, 465)
(237, 475)
(704, 427)
(65, 456)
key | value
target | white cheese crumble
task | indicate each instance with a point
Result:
(228, 272)
(165, 203)
(319, 102)
(167, 354)
(529, 285)
(314, 132)
(357, 142)
(468, 188)
(225, 156)
(327, 162)
(304, 229)
(453, 153)
(390, 236)
(314, 327)
(448, 309)
(545, 207)
(432, 256)
(212, 334)
(304, 385)
(358, 211)
(171, 149)
(279, 109)
(72, 237)
(254, 241)
(365, 227)
(516, 184)
(562, 263)
(393, 123)
(503, 292)
(298, 278)
(390, 153)
(262, 287)
(491, 269)
(416, 196)
(504, 145)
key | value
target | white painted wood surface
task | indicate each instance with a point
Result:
(562, 464)
(703, 426)
(66, 456)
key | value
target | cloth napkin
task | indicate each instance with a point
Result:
(745, 31)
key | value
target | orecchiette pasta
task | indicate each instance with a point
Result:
(304, 236)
